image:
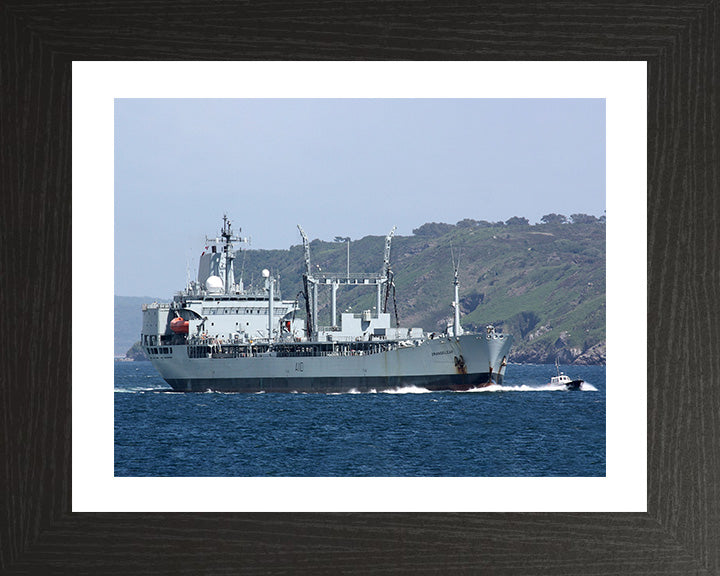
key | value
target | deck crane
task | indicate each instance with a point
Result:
(388, 275)
(310, 309)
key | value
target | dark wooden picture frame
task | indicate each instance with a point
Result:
(680, 533)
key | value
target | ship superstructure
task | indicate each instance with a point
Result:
(218, 335)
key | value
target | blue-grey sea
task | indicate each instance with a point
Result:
(522, 428)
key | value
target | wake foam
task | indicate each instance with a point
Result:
(499, 388)
(399, 390)
(407, 390)
(139, 390)
(584, 387)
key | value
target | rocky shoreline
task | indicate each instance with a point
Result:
(548, 354)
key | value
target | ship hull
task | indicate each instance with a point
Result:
(463, 363)
(329, 385)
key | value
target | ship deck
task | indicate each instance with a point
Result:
(293, 349)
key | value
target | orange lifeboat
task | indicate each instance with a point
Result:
(179, 326)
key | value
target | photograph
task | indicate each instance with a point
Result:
(360, 170)
(378, 287)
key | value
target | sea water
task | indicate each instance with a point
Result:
(522, 428)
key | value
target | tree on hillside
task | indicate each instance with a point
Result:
(467, 223)
(433, 229)
(582, 219)
(517, 221)
(553, 219)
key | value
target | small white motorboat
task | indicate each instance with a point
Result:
(563, 379)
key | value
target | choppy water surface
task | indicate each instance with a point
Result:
(522, 428)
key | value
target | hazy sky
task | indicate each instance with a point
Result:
(339, 168)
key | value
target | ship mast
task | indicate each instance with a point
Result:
(227, 238)
(457, 329)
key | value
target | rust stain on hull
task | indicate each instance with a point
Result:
(460, 366)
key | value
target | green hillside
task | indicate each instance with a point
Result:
(544, 283)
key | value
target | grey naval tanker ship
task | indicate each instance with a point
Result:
(217, 335)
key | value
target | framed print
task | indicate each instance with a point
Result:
(676, 532)
(609, 98)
